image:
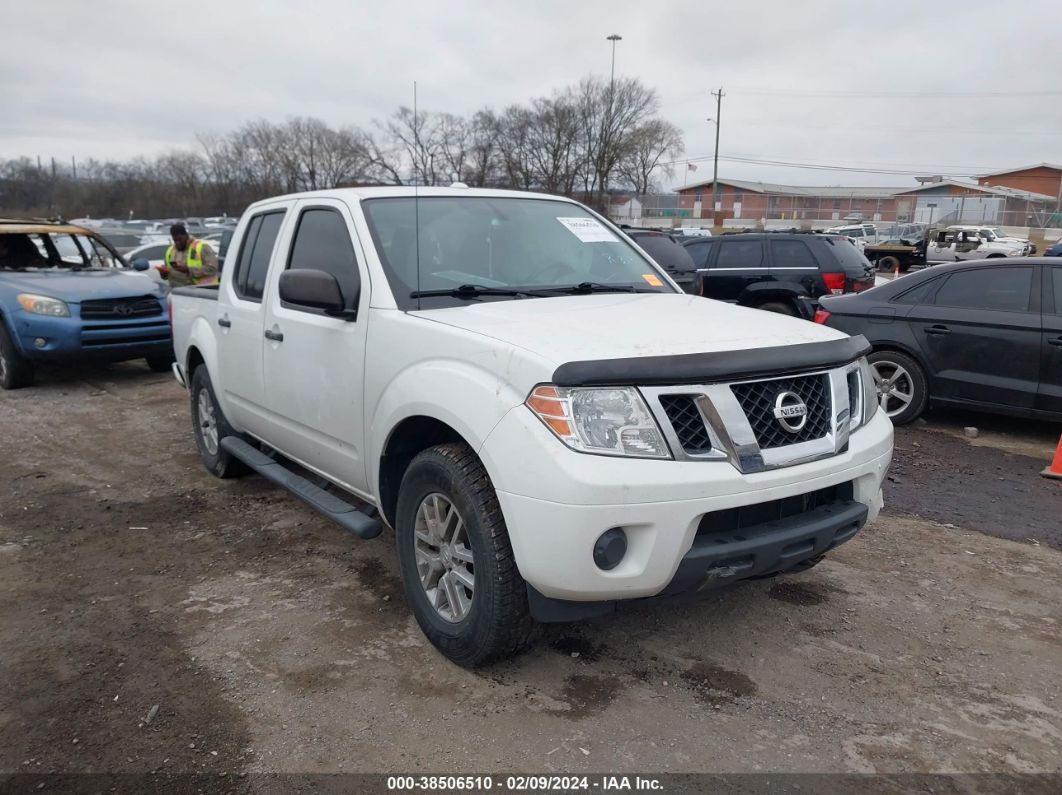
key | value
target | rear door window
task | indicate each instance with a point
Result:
(739, 255)
(792, 255)
(1002, 289)
(256, 251)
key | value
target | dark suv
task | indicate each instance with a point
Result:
(784, 272)
(668, 253)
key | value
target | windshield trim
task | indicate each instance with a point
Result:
(404, 302)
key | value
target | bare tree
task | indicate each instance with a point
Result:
(644, 149)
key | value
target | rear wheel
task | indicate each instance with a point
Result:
(456, 562)
(16, 371)
(901, 383)
(780, 307)
(889, 264)
(210, 427)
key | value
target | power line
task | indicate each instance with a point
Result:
(872, 94)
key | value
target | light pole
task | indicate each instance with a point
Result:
(611, 97)
(612, 80)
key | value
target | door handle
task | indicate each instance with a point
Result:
(275, 336)
(224, 322)
(1057, 342)
(938, 331)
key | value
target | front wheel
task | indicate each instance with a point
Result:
(16, 371)
(901, 383)
(456, 562)
(210, 427)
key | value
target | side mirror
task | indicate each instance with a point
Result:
(140, 264)
(314, 289)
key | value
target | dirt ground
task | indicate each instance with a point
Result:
(154, 619)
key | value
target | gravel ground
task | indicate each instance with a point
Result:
(154, 619)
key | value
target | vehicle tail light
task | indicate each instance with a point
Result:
(835, 282)
(821, 316)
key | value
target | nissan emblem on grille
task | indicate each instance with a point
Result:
(790, 411)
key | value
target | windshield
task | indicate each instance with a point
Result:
(38, 250)
(501, 244)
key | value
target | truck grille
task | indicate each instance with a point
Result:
(121, 308)
(687, 422)
(757, 400)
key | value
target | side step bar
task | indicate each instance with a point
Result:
(339, 511)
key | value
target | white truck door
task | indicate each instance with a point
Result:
(240, 321)
(941, 247)
(314, 364)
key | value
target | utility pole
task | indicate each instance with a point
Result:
(715, 167)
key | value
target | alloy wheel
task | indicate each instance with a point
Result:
(444, 558)
(895, 387)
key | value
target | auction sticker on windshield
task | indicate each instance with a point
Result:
(588, 230)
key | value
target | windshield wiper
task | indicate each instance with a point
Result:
(474, 291)
(597, 287)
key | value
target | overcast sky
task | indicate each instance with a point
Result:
(915, 86)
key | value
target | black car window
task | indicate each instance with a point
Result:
(322, 242)
(699, 252)
(792, 254)
(1056, 283)
(1002, 289)
(667, 252)
(739, 254)
(851, 259)
(919, 294)
(256, 251)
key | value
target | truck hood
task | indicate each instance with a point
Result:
(617, 325)
(76, 286)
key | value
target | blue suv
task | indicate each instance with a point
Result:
(65, 294)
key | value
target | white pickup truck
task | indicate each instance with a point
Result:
(971, 242)
(551, 427)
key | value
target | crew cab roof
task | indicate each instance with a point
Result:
(39, 226)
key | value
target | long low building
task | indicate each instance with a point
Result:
(935, 200)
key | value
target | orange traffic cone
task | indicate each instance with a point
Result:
(1055, 470)
(896, 273)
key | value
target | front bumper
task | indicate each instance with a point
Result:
(44, 338)
(557, 505)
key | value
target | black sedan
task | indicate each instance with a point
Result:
(982, 334)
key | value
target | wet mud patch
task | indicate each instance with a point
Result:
(578, 647)
(804, 594)
(588, 695)
(377, 578)
(714, 684)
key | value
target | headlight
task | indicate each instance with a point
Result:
(862, 394)
(43, 305)
(609, 421)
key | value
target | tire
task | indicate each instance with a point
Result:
(779, 307)
(160, 364)
(889, 264)
(890, 366)
(16, 371)
(491, 621)
(210, 427)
